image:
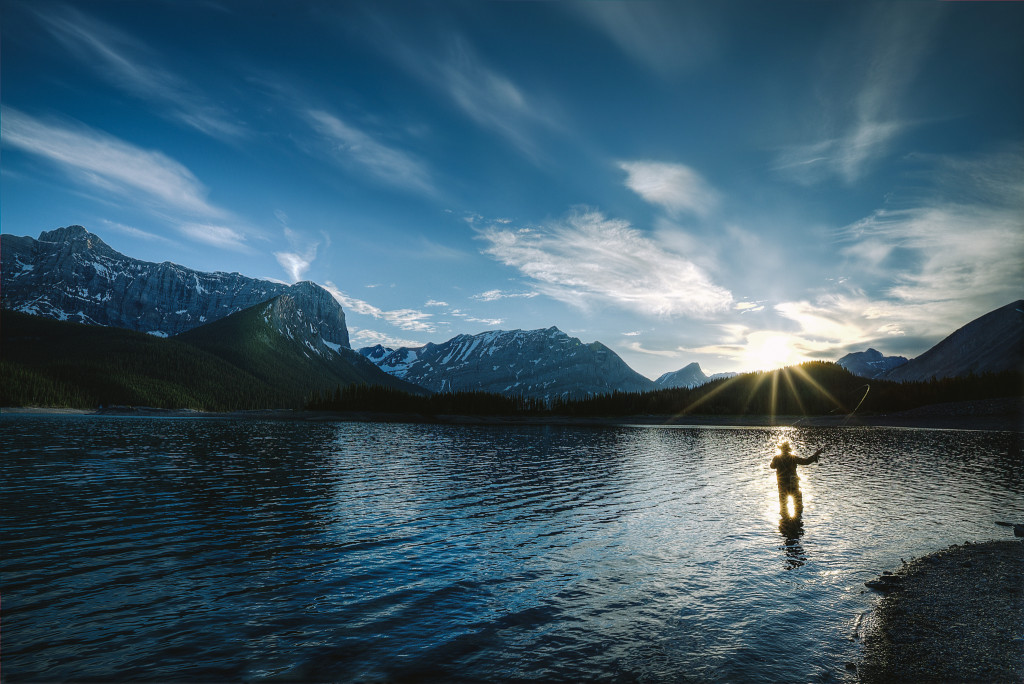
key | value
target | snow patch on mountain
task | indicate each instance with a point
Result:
(543, 363)
(71, 274)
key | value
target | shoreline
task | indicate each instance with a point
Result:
(954, 615)
(999, 415)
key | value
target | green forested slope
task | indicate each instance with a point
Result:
(44, 362)
(247, 340)
(239, 362)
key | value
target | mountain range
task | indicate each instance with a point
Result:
(542, 364)
(295, 339)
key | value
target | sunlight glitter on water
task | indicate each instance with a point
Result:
(149, 549)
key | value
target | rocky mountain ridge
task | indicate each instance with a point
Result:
(688, 376)
(989, 344)
(543, 363)
(71, 274)
(870, 363)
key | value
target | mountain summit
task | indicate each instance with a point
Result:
(543, 364)
(71, 274)
(690, 375)
(990, 344)
(870, 363)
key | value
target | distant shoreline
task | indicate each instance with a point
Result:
(991, 415)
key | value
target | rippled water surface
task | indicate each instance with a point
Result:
(180, 549)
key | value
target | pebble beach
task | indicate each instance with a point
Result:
(952, 616)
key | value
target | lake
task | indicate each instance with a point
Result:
(219, 549)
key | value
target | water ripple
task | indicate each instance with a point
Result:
(148, 549)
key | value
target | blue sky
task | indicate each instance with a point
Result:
(741, 184)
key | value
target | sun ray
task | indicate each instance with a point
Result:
(773, 401)
(804, 375)
(792, 387)
(758, 381)
(725, 384)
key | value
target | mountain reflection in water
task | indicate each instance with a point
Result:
(180, 549)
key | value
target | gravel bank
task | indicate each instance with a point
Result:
(952, 616)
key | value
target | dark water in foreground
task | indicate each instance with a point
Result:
(180, 549)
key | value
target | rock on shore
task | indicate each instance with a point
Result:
(953, 616)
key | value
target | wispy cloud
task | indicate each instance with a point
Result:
(385, 163)
(297, 261)
(134, 232)
(921, 272)
(640, 349)
(954, 254)
(495, 295)
(959, 253)
(362, 337)
(118, 168)
(469, 318)
(216, 236)
(889, 48)
(588, 258)
(108, 163)
(675, 187)
(130, 65)
(748, 307)
(668, 38)
(489, 98)
(405, 319)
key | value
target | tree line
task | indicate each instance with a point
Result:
(815, 388)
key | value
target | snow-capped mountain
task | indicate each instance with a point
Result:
(688, 376)
(71, 274)
(989, 344)
(533, 363)
(870, 363)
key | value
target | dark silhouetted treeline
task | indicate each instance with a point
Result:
(239, 363)
(810, 389)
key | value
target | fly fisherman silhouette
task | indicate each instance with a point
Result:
(784, 464)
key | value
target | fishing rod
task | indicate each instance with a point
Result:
(850, 414)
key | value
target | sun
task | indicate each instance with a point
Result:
(770, 350)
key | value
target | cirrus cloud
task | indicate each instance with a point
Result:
(103, 161)
(405, 319)
(588, 259)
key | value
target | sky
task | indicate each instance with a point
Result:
(741, 184)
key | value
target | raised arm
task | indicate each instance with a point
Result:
(810, 459)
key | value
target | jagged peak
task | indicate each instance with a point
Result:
(74, 234)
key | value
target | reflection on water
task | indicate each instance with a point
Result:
(792, 528)
(139, 549)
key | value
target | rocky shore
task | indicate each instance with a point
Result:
(952, 616)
